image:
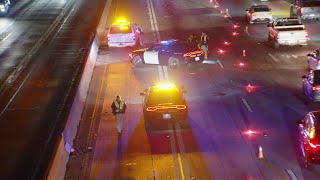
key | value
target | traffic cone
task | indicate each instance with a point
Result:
(260, 153)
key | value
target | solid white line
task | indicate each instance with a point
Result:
(165, 73)
(274, 58)
(160, 73)
(209, 62)
(247, 105)
(220, 64)
(291, 174)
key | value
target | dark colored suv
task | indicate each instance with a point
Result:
(309, 137)
(164, 103)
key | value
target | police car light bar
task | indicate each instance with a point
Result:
(165, 86)
(168, 41)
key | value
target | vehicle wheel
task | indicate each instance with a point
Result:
(173, 63)
(137, 60)
(276, 45)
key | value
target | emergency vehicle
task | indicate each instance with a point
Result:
(164, 103)
(309, 138)
(123, 33)
(259, 13)
(172, 53)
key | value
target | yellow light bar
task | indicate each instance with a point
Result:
(121, 21)
(165, 86)
(124, 28)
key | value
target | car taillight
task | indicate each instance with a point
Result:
(108, 36)
(133, 36)
(193, 53)
(314, 88)
(313, 144)
(307, 34)
(151, 109)
(301, 10)
(130, 55)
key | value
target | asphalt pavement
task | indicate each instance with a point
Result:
(235, 133)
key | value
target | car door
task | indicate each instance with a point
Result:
(151, 55)
(308, 82)
(303, 129)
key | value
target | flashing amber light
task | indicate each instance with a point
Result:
(165, 86)
(193, 53)
(121, 21)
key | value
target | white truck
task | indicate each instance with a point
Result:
(287, 31)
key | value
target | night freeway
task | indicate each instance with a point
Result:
(245, 109)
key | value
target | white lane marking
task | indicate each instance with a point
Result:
(274, 58)
(209, 62)
(295, 56)
(5, 37)
(185, 166)
(291, 174)
(288, 56)
(160, 73)
(165, 73)
(174, 152)
(153, 21)
(247, 105)
(220, 64)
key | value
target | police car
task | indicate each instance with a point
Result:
(173, 53)
(123, 33)
(309, 138)
(4, 7)
(258, 13)
(164, 103)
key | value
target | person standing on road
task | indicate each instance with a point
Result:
(203, 45)
(119, 107)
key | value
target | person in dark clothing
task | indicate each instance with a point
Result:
(119, 107)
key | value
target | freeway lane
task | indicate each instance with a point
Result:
(50, 39)
(221, 111)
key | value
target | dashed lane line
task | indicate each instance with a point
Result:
(291, 174)
(247, 105)
(274, 58)
(220, 64)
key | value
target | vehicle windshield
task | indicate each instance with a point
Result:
(261, 9)
(165, 96)
(120, 29)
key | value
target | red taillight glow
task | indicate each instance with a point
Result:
(301, 10)
(193, 53)
(179, 107)
(151, 109)
(307, 34)
(221, 51)
(234, 33)
(130, 55)
(312, 145)
(235, 26)
(315, 88)
(249, 88)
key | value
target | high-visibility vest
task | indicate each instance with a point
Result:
(119, 106)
